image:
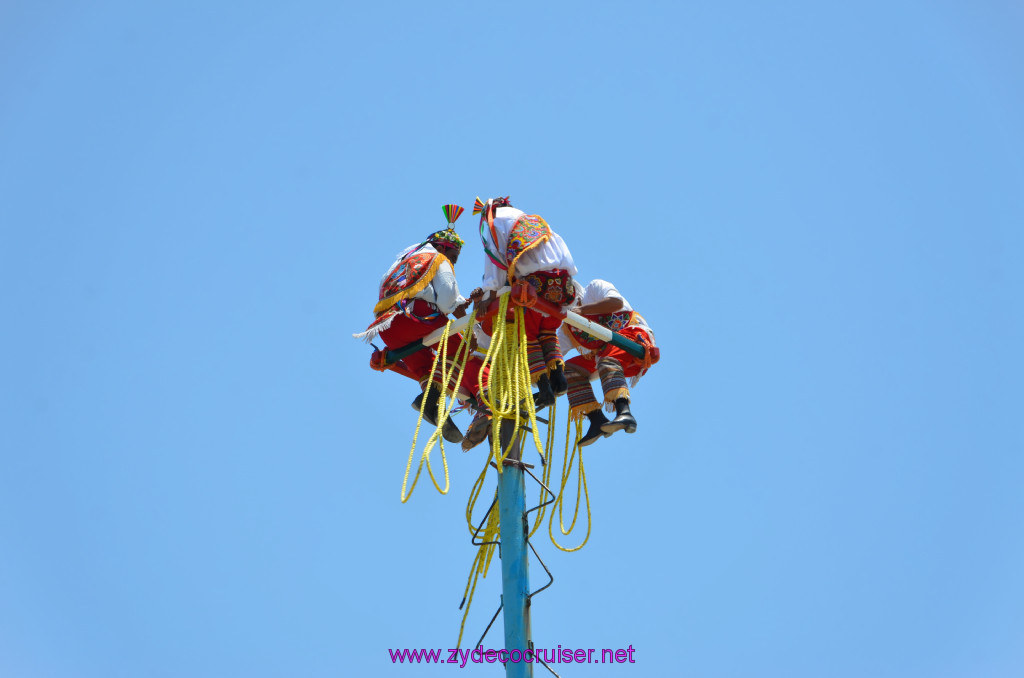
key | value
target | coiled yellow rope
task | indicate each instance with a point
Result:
(546, 473)
(581, 480)
(508, 392)
(509, 395)
(509, 388)
(444, 408)
(484, 553)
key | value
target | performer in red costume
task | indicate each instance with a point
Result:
(416, 295)
(520, 246)
(600, 302)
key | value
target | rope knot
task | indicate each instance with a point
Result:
(523, 294)
(652, 353)
(377, 361)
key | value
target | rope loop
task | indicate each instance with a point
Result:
(444, 408)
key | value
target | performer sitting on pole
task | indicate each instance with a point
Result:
(519, 246)
(600, 302)
(416, 295)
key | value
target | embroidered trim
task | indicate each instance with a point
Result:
(581, 394)
(529, 231)
(616, 322)
(417, 287)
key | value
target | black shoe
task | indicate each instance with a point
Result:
(433, 393)
(596, 418)
(559, 384)
(623, 419)
(544, 397)
(450, 431)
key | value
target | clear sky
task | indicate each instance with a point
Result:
(818, 207)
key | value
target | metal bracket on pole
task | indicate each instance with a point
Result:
(480, 527)
(541, 661)
(551, 577)
(546, 489)
(491, 623)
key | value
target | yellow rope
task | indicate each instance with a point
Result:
(474, 494)
(524, 363)
(496, 397)
(444, 408)
(509, 387)
(509, 390)
(491, 532)
(505, 386)
(546, 473)
(581, 480)
(481, 563)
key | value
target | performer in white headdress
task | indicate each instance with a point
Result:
(520, 246)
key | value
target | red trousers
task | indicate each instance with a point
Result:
(406, 329)
(536, 324)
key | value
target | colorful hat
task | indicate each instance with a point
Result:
(489, 206)
(448, 236)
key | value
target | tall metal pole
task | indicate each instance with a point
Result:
(515, 575)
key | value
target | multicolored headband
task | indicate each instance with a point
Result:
(447, 236)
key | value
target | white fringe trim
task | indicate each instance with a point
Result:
(633, 381)
(371, 333)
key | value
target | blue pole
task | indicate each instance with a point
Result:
(515, 575)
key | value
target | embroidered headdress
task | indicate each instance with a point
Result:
(447, 236)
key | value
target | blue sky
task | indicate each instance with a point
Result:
(817, 206)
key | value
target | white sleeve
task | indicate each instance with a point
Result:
(482, 340)
(445, 289)
(565, 344)
(562, 253)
